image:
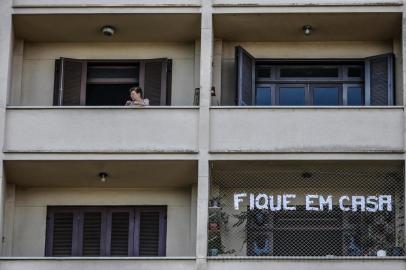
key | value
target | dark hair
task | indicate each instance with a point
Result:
(137, 90)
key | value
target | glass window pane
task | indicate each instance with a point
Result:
(263, 96)
(263, 72)
(309, 72)
(326, 96)
(354, 72)
(292, 96)
(354, 96)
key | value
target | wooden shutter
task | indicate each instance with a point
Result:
(120, 239)
(151, 234)
(70, 82)
(245, 77)
(92, 233)
(379, 88)
(153, 80)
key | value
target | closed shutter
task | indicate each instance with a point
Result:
(92, 229)
(245, 75)
(379, 88)
(154, 81)
(62, 234)
(121, 232)
(70, 82)
(149, 233)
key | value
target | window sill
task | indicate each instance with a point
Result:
(254, 258)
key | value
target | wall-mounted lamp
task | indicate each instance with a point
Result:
(307, 30)
(108, 30)
(103, 177)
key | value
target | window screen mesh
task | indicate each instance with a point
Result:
(306, 208)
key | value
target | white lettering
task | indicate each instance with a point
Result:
(286, 201)
(261, 201)
(238, 199)
(309, 201)
(341, 203)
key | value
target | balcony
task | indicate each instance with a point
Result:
(301, 129)
(102, 129)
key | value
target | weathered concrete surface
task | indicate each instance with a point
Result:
(306, 129)
(98, 264)
(307, 264)
(102, 130)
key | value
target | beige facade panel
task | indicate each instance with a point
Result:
(101, 3)
(306, 130)
(28, 239)
(83, 129)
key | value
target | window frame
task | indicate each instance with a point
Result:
(106, 227)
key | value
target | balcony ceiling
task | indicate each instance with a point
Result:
(122, 174)
(326, 27)
(86, 27)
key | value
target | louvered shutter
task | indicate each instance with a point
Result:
(245, 76)
(149, 234)
(70, 82)
(92, 234)
(60, 234)
(121, 232)
(379, 88)
(154, 81)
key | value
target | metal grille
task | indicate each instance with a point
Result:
(312, 208)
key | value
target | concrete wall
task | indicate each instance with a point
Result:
(38, 66)
(30, 214)
(306, 130)
(304, 50)
(150, 129)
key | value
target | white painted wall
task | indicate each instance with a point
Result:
(38, 66)
(31, 205)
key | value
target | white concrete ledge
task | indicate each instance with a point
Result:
(287, 3)
(105, 3)
(315, 263)
(306, 129)
(101, 130)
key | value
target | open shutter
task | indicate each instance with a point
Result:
(379, 88)
(70, 82)
(153, 80)
(245, 74)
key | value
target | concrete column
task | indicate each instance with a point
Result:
(6, 45)
(206, 60)
(404, 103)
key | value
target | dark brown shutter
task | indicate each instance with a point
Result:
(379, 88)
(62, 234)
(70, 85)
(245, 75)
(92, 228)
(154, 80)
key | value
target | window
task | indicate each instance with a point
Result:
(317, 82)
(107, 82)
(106, 231)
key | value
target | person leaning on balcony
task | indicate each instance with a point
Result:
(136, 97)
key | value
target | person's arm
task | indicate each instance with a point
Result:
(128, 103)
(146, 102)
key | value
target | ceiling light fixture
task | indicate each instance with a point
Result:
(108, 30)
(307, 29)
(103, 177)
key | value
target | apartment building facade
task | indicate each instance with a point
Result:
(274, 137)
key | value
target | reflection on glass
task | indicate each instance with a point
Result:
(263, 96)
(354, 96)
(325, 96)
(292, 96)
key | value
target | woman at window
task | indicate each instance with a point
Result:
(136, 98)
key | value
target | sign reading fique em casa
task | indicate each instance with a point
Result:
(314, 202)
